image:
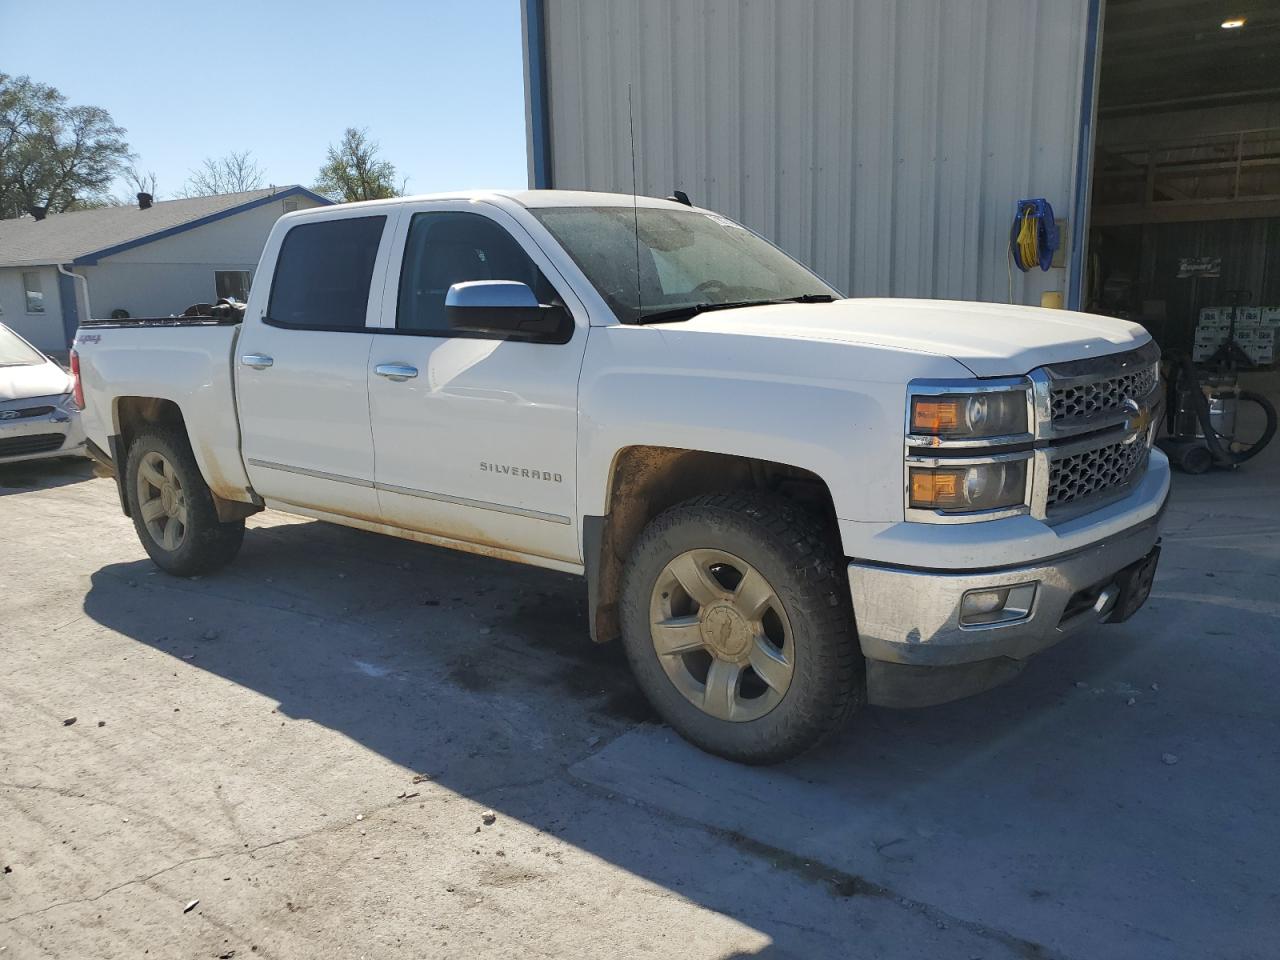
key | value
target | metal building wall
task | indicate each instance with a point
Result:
(882, 142)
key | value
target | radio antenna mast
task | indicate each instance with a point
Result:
(635, 203)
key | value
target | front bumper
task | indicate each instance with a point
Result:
(918, 650)
(56, 433)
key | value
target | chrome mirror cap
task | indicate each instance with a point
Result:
(491, 295)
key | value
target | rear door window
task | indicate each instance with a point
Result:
(323, 274)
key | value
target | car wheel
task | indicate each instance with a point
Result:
(172, 506)
(737, 623)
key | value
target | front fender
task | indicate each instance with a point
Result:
(834, 409)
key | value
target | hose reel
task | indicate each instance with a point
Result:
(1033, 238)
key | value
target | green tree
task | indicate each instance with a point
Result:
(54, 156)
(353, 171)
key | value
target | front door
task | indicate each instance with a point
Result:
(302, 367)
(475, 436)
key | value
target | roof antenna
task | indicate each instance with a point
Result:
(679, 196)
(635, 204)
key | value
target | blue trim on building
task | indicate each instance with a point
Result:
(70, 307)
(91, 259)
(1084, 159)
(539, 100)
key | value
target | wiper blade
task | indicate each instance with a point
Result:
(685, 313)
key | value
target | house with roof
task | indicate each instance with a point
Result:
(148, 260)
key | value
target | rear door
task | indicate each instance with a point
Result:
(302, 365)
(478, 442)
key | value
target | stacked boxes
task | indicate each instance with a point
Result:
(1256, 330)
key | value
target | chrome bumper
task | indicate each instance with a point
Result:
(912, 617)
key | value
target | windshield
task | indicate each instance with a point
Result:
(689, 261)
(14, 351)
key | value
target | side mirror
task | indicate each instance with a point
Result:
(489, 306)
(506, 309)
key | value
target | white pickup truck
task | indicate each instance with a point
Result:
(786, 503)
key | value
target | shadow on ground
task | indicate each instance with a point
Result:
(1042, 808)
(43, 474)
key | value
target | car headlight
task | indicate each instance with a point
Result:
(968, 488)
(953, 416)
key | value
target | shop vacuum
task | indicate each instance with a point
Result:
(1204, 407)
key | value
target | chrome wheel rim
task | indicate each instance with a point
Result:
(161, 501)
(721, 635)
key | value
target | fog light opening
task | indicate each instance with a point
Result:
(996, 605)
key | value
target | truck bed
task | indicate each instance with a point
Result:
(187, 361)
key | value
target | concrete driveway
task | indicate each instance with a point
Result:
(308, 747)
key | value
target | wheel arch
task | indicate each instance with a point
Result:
(130, 415)
(645, 480)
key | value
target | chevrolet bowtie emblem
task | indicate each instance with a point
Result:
(1138, 420)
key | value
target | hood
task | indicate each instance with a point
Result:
(991, 339)
(33, 380)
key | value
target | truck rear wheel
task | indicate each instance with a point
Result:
(737, 623)
(172, 506)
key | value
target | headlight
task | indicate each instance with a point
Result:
(969, 488)
(997, 413)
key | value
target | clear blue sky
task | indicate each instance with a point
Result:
(439, 83)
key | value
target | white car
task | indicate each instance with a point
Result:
(38, 414)
(785, 502)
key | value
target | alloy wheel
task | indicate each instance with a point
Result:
(722, 635)
(162, 501)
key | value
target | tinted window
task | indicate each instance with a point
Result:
(447, 248)
(323, 273)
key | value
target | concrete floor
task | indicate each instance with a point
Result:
(307, 742)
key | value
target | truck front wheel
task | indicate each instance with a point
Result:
(172, 506)
(737, 624)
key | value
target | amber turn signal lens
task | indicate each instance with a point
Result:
(936, 417)
(967, 489)
(935, 488)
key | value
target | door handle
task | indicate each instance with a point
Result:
(399, 372)
(256, 360)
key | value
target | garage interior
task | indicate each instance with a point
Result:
(1187, 165)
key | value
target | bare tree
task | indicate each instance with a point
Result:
(354, 171)
(139, 182)
(237, 172)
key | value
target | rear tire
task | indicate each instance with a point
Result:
(172, 507)
(774, 594)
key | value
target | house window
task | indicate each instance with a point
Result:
(35, 295)
(231, 284)
(292, 204)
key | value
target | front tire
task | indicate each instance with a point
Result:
(172, 507)
(737, 623)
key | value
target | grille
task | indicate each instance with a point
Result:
(1084, 400)
(25, 413)
(36, 443)
(1094, 472)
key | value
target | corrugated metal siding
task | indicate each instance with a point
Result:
(884, 143)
